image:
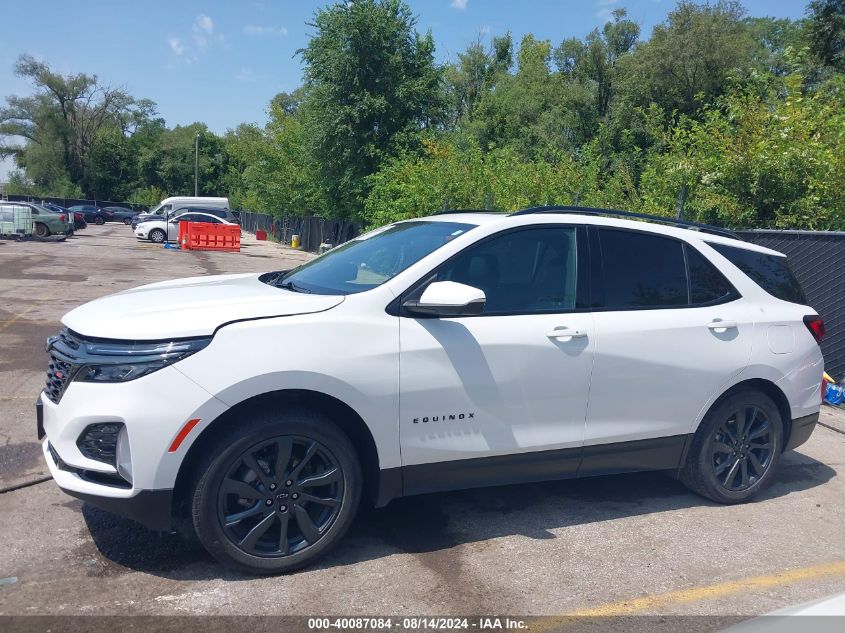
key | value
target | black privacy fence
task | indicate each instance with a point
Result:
(312, 231)
(818, 260)
(69, 202)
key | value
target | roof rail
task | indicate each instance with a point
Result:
(450, 211)
(684, 224)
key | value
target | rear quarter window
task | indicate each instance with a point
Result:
(770, 272)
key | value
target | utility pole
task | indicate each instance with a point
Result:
(196, 163)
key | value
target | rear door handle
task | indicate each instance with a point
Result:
(564, 332)
(720, 326)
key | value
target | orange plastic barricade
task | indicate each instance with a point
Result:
(202, 236)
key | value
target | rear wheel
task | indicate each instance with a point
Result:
(157, 236)
(737, 448)
(40, 230)
(276, 493)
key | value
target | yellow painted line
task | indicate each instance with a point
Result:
(8, 323)
(710, 592)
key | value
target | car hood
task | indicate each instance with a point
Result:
(196, 306)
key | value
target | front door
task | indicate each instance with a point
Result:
(502, 396)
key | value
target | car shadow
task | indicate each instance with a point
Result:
(439, 522)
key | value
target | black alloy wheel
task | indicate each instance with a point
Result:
(127, 221)
(276, 490)
(280, 496)
(735, 452)
(742, 448)
(99, 220)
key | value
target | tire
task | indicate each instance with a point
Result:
(99, 220)
(157, 236)
(40, 230)
(725, 469)
(260, 506)
(127, 221)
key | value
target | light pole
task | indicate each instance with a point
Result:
(196, 163)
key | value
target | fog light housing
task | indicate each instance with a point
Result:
(99, 442)
(124, 455)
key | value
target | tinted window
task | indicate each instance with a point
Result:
(642, 270)
(770, 272)
(707, 285)
(370, 260)
(521, 272)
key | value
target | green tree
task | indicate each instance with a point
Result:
(63, 123)
(692, 58)
(371, 84)
(825, 32)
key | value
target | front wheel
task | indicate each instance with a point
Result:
(127, 221)
(736, 450)
(276, 493)
(157, 236)
(99, 220)
(41, 230)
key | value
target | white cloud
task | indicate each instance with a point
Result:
(459, 4)
(607, 3)
(256, 29)
(245, 74)
(176, 46)
(203, 29)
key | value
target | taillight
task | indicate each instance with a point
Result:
(63, 217)
(815, 324)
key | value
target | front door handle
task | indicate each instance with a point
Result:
(718, 325)
(565, 333)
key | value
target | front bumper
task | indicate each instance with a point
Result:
(152, 409)
(151, 508)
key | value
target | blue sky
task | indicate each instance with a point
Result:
(222, 61)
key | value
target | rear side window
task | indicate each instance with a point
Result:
(706, 284)
(642, 270)
(770, 272)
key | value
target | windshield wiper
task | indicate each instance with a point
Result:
(289, 285)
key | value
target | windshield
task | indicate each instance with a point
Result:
(370, 260)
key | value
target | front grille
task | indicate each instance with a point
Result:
(58, 375)
(63, 349)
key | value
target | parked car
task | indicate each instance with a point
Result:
(91, 213)
(156, 230)
(170, 206)
(121, 214)
(453, 351)
(78, 218)
(47, 222)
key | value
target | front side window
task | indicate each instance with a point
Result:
(642, 270)
(770, 272)
(370, 260)
(521, 272)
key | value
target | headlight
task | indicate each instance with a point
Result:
(121, 362)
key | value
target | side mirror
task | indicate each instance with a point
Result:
(448, 299)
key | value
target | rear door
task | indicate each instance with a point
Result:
(671, 332)
(500, 397)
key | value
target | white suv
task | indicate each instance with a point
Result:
(459, 350)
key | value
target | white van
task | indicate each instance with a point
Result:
(169, 204)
